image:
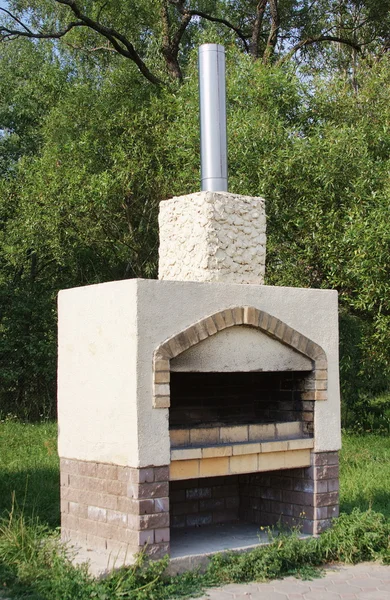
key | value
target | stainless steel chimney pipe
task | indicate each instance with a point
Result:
(212, 94)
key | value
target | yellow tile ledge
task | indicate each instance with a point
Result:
(208, 465)
(241, 449)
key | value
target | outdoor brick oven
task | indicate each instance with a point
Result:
(198, 400)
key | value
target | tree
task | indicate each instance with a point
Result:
(86, 163)
(156, 35)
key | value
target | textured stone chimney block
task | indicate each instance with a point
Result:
(213, 236)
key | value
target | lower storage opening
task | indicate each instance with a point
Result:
(212, 514)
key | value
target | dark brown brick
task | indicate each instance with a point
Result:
(148, 490)
(281, 483)
(162, 535)
(304, 485)
(177, 495)
(199, 493)
(308, 526)
(333, 485)
(157, 521)
(328, 499)
(161, 505)
(272, 494)
(157, 551)
(198, 520)
(161, 473)
(105, 471)
(232, 502)
(146, 507)
(321, 513)
(225, 490)
(301, 498)
(333, 458)
(321, 486)
(304, 512)
(182, 508)
(178, 521)
(115, 487)
(212, 504)
(286, 509)
(326, 472)
(70, 466)
(322, 525)
(145, 475)
(224, 516)
(124, 474)
(88, 469)
(325, 458)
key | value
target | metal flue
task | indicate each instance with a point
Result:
(213, 140)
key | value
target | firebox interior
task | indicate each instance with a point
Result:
(217, 399)
(204, 509)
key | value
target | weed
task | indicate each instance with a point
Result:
(35, 565)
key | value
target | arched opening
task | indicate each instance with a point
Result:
(241, 388)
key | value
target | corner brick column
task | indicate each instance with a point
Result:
(115, 509)
(307, 498)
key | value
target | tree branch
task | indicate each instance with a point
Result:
(6, 32)
(115, 38)
(89, 50)
(315, 40)
(202, 15)
(121, 44)
(273, 34)
(254, 43)
(15, 19)
(171, 43)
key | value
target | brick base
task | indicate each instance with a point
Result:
(107, 508)
(306, 498)
(114, 509)
(206, 501)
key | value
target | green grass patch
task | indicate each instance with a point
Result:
(34, 565)
(365, 473)
(29, 470)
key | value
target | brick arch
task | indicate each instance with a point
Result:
(247, 316)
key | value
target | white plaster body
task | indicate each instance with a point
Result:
(240, 349)
(212, 236)
(109, 332)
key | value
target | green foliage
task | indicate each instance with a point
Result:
(353, 538)
(365, 473)
(29, 469)
(79, 205)
(28, 553)
(34, 563)
(31, 81)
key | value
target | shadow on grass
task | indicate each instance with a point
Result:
(379, 502)
(36, 493)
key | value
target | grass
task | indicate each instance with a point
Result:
(365, 473)
(33, 565)
(29, 469)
